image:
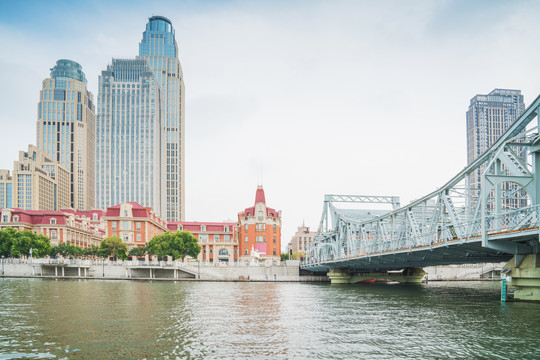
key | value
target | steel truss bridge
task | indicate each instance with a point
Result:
(488, 212)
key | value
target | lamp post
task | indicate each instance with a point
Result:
(31, 255)
(103, 267)
(199, 269)
(2, 265)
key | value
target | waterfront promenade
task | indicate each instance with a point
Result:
(153, 270)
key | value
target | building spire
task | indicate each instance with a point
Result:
(259, 195)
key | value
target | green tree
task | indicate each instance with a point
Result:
(113, 246)
(18, 243)
(67, 250)
(137, 251)
(284, 256)
(176, 245)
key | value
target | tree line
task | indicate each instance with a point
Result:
(177, 245)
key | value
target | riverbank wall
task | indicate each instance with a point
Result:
(171, 271)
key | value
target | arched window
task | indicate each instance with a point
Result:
(203, 227)
(223, 252)
(246, 251)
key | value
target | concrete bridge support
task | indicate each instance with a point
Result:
(408, 276)
(524, 275)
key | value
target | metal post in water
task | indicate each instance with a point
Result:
(503, 289)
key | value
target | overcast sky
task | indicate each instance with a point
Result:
(326, 97)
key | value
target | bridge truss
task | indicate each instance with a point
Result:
(460, 222)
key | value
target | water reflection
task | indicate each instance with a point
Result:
(199, 320)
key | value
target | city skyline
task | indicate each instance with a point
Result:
(295, 87)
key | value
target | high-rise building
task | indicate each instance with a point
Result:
(6, 189)
(300, 241)
(259, 231)
(488, 117)
(40, 183)
(66, 129)
(129, 136)
(158, 46)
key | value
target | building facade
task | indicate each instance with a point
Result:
(59, 226)
(134, 224)
(6, 189)
(488, 117)
(158, 46)
(259, 231)
(39, 183)
(66, 128)
(130, 137)
(218, 240)
(301, 240)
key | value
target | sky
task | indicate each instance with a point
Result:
(308, 97)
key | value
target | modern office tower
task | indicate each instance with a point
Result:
(66, 129)
(130, 140)
(40, 183)
(6, 189)
(259, 231)
(159, 47)
(488, 117)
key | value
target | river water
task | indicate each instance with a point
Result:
(95, 319)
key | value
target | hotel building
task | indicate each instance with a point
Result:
(259, 230)
(66, 129)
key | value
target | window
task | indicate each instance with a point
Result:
(246, 240)
(260, 226)
(226, 229)
(126, 225)
(203, 237)
(246, 227)
(246, 251)
(114, 225)
(216, 237)
(274, 251)
(138, 237)
(260, 214)
(261, 239)
(6, 218)
(211, 251)
(179, 228)
(125, 237)
(274, 240)
(15, 219)
(275, 227)
(53, 234)
(203, 227)
(138, 226)
(94, 217)
(52, 221)
(125, 213)
(226, 237)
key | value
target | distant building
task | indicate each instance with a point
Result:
(259, 230)
(301, 240)
(158, 46)
(59, 226)
(218, 240)
(66, 129)
(38, 182)
(131, 137)
(6, 189)
(488, 117)
(134, 224)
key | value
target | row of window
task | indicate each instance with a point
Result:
(126, 225)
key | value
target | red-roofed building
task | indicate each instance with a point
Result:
(259, 231)
(217, 239)
(59, 226)
(133, 223)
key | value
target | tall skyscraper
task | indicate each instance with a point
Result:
(130, 136)
(488, 117)
(159, 47)
(66, 129)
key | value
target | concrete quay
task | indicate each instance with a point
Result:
(160, 271)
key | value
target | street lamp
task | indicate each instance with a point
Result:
(2, 265)
(31, 255)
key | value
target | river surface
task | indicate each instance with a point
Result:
(95, 319)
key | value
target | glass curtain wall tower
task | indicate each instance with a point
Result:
(130, 137)
(488, 117)
(66, 129)
(159, 48)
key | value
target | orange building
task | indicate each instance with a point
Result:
(218, 240)
(133, 223)
(259, 230)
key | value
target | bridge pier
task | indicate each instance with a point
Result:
(408, 276)
(524, 275)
